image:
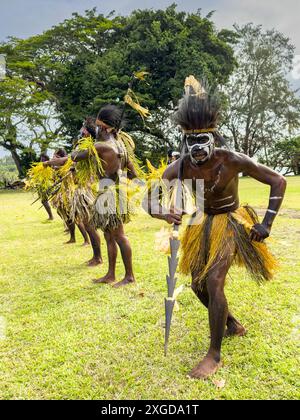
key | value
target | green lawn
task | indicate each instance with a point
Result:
(62, 337)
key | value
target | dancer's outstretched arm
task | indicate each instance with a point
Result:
(56, 162)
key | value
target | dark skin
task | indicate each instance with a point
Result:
(91, 231)
(45, 203)
(71, 227)
(114, 238)
(87, 230)
(96, 244)
(218, 201)
(48, 209)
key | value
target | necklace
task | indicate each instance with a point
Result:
(215, 184)
(213, 187)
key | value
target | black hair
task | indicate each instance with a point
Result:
(90, 125)
(199, 108)
(112, 115)
(44, 157)
(61, 153)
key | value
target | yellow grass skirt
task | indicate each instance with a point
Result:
(111, 209)
(82, 205)
(62, 206)
(204, 244)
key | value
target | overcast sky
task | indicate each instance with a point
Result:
(28, 17)
(23, 18)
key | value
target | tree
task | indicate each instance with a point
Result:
(27, 120)
(8, 172)
(261, 107)
(284, 156)
(87, 61)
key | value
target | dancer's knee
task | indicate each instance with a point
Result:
(121, 239)
(215, 286)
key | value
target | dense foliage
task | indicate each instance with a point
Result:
(262, 107)
(8, 171)
(87, 61)
(57, 78)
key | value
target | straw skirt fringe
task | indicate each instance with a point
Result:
(203, 245)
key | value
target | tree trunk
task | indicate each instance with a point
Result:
(18, 163)
(245, 150)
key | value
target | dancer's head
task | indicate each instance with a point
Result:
(88, 128)
(109, 120)
(60, 153)
(44, 157)
(198, 115)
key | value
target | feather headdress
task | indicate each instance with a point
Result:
(199, 109)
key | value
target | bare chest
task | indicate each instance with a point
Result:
(217, 185)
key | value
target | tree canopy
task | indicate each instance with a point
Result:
(87, 61)
(59, 77)
(284, 156)
(262, 107)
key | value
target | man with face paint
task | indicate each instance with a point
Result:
(116, 156)
(226, 233)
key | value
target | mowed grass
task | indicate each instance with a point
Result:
(62, 337)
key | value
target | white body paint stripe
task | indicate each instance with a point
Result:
(223, 207)
(223, 199)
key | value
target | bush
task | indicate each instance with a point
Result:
(7, 177)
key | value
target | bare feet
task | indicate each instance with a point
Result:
(235, 329)
(71, 241)
(108, 279)
(94, 262)
(124, 282)
(206, 368)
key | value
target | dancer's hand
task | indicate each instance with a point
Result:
(173, 218)
(259, 232)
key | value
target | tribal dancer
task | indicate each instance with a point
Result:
(39, 180)
(226, 233)
(45, 202)
(115, 150)
(80, 189)
(85, 194)
(62, 199)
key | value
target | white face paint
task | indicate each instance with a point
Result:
(200, 147)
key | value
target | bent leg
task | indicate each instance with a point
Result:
(218, 315)
(234, 327)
